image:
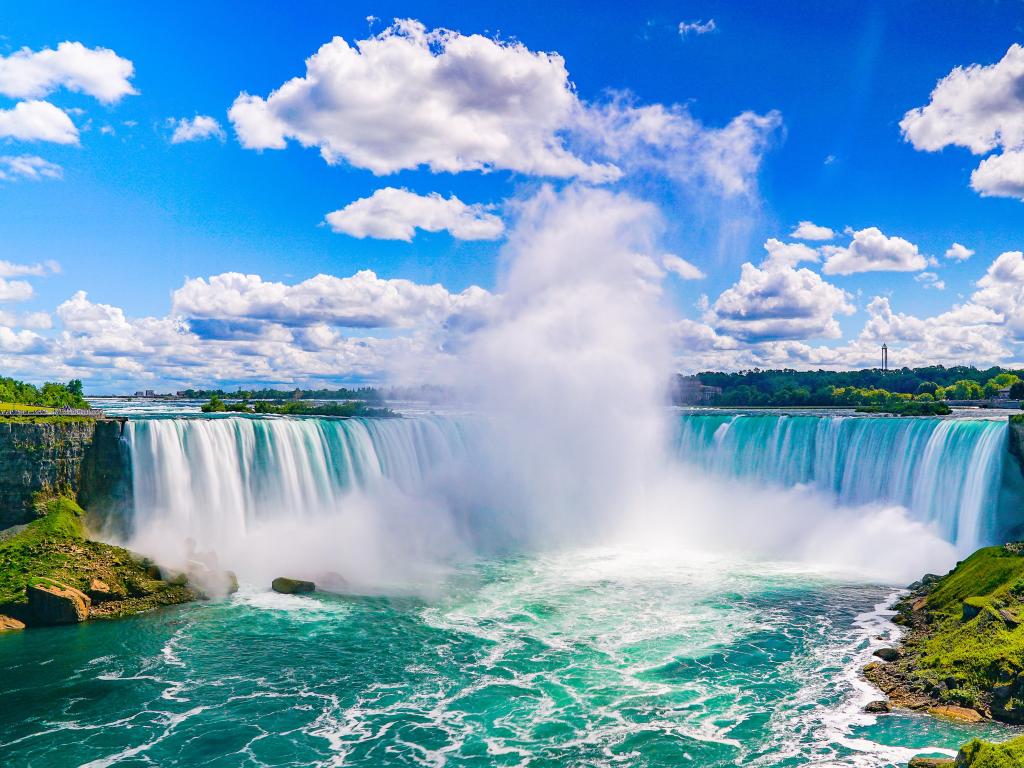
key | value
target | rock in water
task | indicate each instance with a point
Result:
(951, 712)
(53, 603)
(7, 624)
(887, 654)
(232, 582)
(878, 707)
(930, 762)
(291, 586)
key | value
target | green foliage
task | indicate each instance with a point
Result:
(979, 652)
(983, 754)
(870, 386)
(38, 550)
(297, 408)
(362, 393)
(50, 395)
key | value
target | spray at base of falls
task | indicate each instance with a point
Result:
(947, 473)
(393, 501)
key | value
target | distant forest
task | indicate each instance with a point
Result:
(867, 387)
(362, 393)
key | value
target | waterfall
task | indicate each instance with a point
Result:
(946, 472)
(212, 478)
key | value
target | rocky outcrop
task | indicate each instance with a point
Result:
(292, 586)
(52, 603)
(7, 624)
(77, 456)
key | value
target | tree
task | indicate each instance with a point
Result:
(927, 387)
(965, 389)
(1017, 390)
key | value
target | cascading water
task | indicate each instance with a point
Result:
(946, 472)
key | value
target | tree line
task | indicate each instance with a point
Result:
(868, 387)
(51, 395)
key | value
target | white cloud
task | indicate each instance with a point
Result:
(681, 267)
(808, 230)
(776, 301)
(30, 167)
(788, 254)
(696, 27)
(98, 72)
(930, 280)
(980, 108)
(670, 141)
(198, 128)
(959, 252)
(1000, 175)
(236, 301)
(10, 269)
(977, 107)
(871, 251)
(37, 121)
(396, 214)
(14, 290)
(408, 97)
(1002, 290)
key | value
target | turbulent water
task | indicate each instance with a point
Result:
(592, 656)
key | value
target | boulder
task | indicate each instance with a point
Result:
(972, 606)
(52, 603)
(930, 762)
(291, 586)
(887, 654)
(878, 707)
(1008, 616)
(99, 591)
(7, 624)
(332, 582)
(952, 712)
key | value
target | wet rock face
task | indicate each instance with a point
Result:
(62, 456)
(292, 586)
(1008, 696)
(53, 603)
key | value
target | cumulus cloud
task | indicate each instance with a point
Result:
(1000, 175)
(37, 121)
(680, 267)
(959, 252)
(696, 27)
(28, 167)
(14, 290)
(198, 128)
(396, 214)
(409, 97)
(230, 301)
(776, 301)
(808, 230)
(980, 108)
(872, 251)
(1001, 289)
(98, 72)
(788, 254)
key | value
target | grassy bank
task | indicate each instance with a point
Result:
(965, 640)
(55, 548)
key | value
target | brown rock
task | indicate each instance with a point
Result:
(951, 712)
(930, 762)
(288, 586)
(887, 654)
(1011, 620)
(53, 603)
(99, 590)
(878, 707)
(7, 624)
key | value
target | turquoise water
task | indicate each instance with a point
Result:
(593, 658)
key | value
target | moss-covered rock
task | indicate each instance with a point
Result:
(50, 602)
(53, 550)
(291, 586)
(964, 645)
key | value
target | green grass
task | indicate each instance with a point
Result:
(982, 754)
(19, 407)
(54, 547)
(978, 652)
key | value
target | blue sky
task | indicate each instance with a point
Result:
(130, 214)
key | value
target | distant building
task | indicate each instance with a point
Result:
(688, 390)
